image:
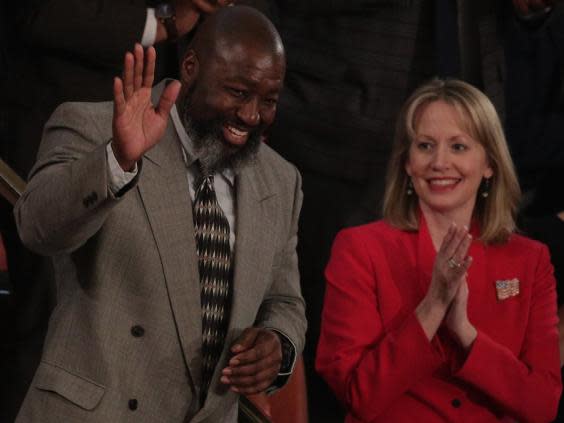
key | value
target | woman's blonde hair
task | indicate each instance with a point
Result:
(495, 213)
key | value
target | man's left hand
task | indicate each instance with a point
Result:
(257, 355)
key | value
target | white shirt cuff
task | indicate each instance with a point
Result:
(117, 177)
(150, 31)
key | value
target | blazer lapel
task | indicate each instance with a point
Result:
(254, 244)
(163, 187)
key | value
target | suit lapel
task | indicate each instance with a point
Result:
(164, 192)
(254, 243)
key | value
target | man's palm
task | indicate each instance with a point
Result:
(137, 124)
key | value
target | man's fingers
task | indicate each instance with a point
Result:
(264, 346)
(128, 75)
(119, 99)
(138, 66)
(168, 98)
(257, 365)
(253, 383)
(149, 71)
(247, 368)
(245, 341)
(246, 357)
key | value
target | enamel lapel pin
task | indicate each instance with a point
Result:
(507, 288)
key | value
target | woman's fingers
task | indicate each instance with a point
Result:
(452, 241)
(452, 259)
(461, 251)
(447, 239)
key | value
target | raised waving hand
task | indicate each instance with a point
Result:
(138, 125)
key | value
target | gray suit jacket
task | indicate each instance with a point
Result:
(124, 341)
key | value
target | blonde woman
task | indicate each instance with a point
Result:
(440, 312)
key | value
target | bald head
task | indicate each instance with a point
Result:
(232, 74)
(237, 27)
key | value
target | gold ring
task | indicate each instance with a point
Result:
(453, 264)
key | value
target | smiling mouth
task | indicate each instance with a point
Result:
(235, 135)
(443, 184)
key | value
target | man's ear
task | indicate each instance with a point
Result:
(189, 68)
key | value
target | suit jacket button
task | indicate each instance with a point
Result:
(137, 331)
(456, 403)
(132, 404)
(90, 199)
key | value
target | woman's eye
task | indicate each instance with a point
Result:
(424, 145)
(459, 147)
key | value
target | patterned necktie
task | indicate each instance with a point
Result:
(214, 263)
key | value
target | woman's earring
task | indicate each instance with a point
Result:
(485, 187)
(409, 187)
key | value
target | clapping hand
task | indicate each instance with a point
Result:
(451, 264)
(449, 273)
(137, 124)
(457, 317)
(257, 356)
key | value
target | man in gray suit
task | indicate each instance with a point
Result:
(111, 199)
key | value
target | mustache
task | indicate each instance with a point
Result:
(214, 125)
(253, 131)
(214, 152)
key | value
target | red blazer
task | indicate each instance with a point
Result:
(375, 356)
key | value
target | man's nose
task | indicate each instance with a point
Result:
(249, 113)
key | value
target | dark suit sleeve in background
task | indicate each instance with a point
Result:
(98, 31)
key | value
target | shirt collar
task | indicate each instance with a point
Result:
(190, 156)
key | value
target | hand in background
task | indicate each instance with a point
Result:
(188, 13)
(255, 363)
(137, 124)
(209, 6)
(526, 7)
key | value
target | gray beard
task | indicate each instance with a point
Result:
(215, 154)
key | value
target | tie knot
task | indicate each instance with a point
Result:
(205, 171)
(205, 179)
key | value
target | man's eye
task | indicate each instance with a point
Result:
(236, 92)
(271, 101)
